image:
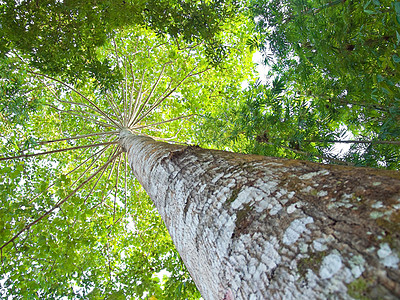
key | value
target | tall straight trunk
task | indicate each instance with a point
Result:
(254, 227)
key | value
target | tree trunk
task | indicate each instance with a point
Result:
(254, 227)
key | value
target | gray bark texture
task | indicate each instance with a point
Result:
(254, 227)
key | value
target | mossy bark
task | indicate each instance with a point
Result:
(254, 227)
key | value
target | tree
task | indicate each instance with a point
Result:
(253, 227)
(337, 62)
(61, 37)
(65, 216)
(70, 210)
(274, 119)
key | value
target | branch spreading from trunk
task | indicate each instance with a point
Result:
(140, 99)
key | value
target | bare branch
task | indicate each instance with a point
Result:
(76, 113)
(71, 102)
(143, 107)
(125, 185)
(163, 122)
(169, 93)
(110, 100)
(58, 150)
(78, 137)
(134, 114)
(116, 187)
(112, 168)
(132, 110)
(98, 179)
(91, 164)
(83, 105)
(80, 94)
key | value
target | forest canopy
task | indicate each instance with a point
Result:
(61, 37)
(333, 80)
(74, 222)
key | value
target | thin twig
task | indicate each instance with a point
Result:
(163, 122)
(58, 150)
(98, 179)
(78, 137)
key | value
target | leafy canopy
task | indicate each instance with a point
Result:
(74, 222)
(333, 80)
(61, 37)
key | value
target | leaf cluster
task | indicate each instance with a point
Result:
(333, 79)
(61, 37)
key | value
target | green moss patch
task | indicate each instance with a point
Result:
(312, 262)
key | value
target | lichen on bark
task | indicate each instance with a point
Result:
(269, 228)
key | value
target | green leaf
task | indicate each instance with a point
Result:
(42, 239)
(367, 4)
(370, 12)
(396, 58)
(19, 167)
(397, 7)
(5, 170)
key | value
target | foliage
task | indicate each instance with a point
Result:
(61, 37)
(333, 79)
(77, 222)
(14, 87)
(74, 222)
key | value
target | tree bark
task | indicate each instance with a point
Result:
(254, 227)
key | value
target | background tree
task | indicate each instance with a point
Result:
(333, 72)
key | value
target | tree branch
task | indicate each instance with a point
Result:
(58, 150)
